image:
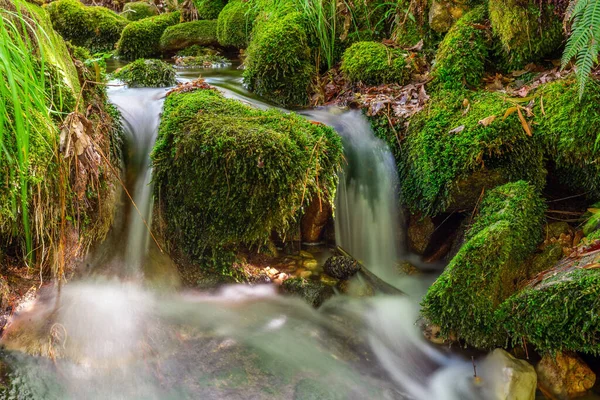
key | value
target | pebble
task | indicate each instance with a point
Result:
(311, 264)
(305, 254)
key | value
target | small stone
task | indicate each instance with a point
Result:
(305, 254)
(512, 379)
(305, 274)
(565, 375)
(283, 276)
(328, 280)
(311, 264)
(341, 267)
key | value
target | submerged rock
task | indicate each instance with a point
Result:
(516, 379)
(341, 267)
(314, 292)
(565, 376)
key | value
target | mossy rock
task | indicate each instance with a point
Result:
(137, 10)
(458, 134)
(374, 63)
(460, 59)
(228, 175)
(235, 24)
(96, 28)
(526, 31)
(180, 36)
(209, 9)
(279, 66)
(147, 73)
(488, 267)
(313, 292)
(560, 313)
(569, 129)
(141, 39)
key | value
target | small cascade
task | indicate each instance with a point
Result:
(367, 220)
(140, 110)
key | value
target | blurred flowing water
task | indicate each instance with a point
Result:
(104, 337)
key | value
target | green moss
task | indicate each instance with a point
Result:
(526, 30)
(180, 36)
(96, 28)
(141, 39)
(374, 63)
(561, 313)
(147, 73)
(460, 59)
(202, 61)
(209, 9)
(313, 292)
(488, 266)
(570, 131)
(278, 64)
(227, 174)
(235, 24)
(137, 10)
(195, 51)
(448, 142)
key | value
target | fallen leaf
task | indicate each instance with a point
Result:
(509, 112)
(457, 129)
(524, 123)
(487, 121)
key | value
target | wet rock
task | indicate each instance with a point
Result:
(341, 267)
(314, 220)
(309, 389)
(311, 264)
(564, 376)
(356, 288)
(514, 379)
(305, 274)
(314, 292)
(305, 254)
(419, 233)
(443, 13)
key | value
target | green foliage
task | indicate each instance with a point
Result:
(147, 73)
(209, 9)
(180, 36)
(446, 143)
(527, 31)
(570, 132)
(141, 39)
(278, 64)
(561, 313)
(582, 44)
(96, 28)
(228, 175)
(460, 59)
(235, 24)
(321, 21)
(374, 63)
(137, 10)
(488, 267)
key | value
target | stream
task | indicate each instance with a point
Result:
(126, 330)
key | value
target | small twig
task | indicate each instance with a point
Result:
(474, 367)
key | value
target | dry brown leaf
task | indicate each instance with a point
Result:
(487, 121)
(508, 112)
(524, 123)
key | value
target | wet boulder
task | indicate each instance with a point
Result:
(178, 37)
(564, 376)
(147, 73)
(374, 63)
(488, 266)
(314, 292)
(514, 379)
(341, 267)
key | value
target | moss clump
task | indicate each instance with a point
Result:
(235, 24)
(278, 64)
(180, 36)
(526, 30)
(488, 266)
(460, 59)
(570, 132)
(374, 63)
(561, 313)
(202, 61)
(209, 9)
(463, 135)
(139, 10)
(141, 39)
(147, 73)
(96, 28)
(228, 175)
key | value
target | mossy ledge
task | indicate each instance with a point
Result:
(488, 266)
(219, 173)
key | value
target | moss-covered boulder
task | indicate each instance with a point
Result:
(235, 24)
(180, 36)
(374, 63)
(488, 267)
(279, 66)
(147, 73)
(141, 39)
(209, 9)
(229, 175)
(526, 31)
(460, 59)
(460, 145)
(314, 292)
(96, 28)
(137, 10)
